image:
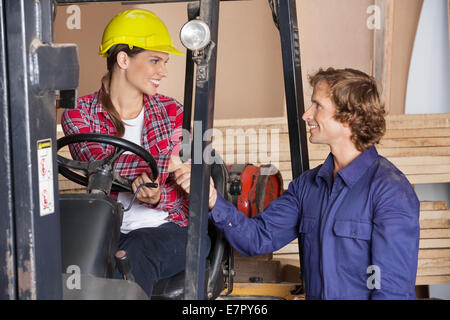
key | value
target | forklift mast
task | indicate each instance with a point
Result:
(34, 72)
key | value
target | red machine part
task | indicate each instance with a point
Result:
(258, 187)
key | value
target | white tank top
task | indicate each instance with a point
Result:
(139, 216)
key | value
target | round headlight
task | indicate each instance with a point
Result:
(195, 35)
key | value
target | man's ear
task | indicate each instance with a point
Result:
(347, 124)
(122, 60)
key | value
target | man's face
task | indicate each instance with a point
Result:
(324, 128)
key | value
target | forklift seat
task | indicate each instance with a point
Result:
(173, 288)
(90, 231)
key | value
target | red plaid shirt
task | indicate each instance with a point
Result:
(161, 134)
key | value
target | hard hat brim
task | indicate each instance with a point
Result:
(103, 52)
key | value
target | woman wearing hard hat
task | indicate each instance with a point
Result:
(137, 45)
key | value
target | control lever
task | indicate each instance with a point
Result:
(124, 265)
(148, 185)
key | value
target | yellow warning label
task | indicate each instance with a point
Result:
(44, 144)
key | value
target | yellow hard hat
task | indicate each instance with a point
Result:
(140, 28)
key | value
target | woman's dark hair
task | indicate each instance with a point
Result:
(104, 93)
(357, 102)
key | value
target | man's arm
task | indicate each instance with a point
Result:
(395, 240)
(267, 231)
(264, 233)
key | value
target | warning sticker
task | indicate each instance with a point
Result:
(45, 169)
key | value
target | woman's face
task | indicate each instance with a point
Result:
(146, 70)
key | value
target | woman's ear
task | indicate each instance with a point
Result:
(122, 60)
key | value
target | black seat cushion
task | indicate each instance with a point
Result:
(90, 230)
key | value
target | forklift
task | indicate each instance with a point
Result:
(45, 240)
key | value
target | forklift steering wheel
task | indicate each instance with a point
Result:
(119, 184)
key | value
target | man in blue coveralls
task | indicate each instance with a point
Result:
(357, 213)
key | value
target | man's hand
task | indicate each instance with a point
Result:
(147, 195)
(182, 174)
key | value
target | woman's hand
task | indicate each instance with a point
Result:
(147, 195)
(182, 174)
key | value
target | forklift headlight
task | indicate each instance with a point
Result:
(195, 35)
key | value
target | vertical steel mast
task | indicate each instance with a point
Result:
(33, 69)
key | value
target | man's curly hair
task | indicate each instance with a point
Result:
(357, 102)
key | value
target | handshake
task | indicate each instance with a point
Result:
(182, 174)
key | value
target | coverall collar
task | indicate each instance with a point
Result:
(351, 173)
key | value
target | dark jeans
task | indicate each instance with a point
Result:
(155, 253)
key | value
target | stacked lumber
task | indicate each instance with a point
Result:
(434, 246)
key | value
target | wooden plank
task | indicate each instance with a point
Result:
(438, 127)
(434, 224)
(414, 152)
(289, 248)
(417, 133)
(246, 121)
(66, 184)
(429, 280)
(269, 271)
(414, 142)
(434, 233)
(417, 116)
(72, 191)
(394, 133)
(396, 121)
(433, 271)
(434, 243)
(423, 160)
(264, 289)
(262, 257)
(434, 253)
(433, 263)
(433, 205)
(435, 214)
(419, 122)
